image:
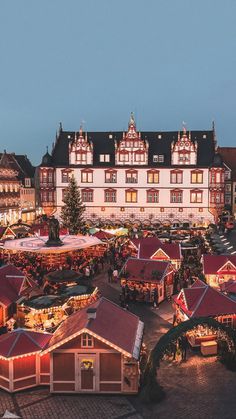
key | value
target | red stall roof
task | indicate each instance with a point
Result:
(13, 284)
(215, 263)
(150, 247)
(103, 235)
(22, 342)
(143, 269)
(113, 324)
(204, 301)
(229, 287)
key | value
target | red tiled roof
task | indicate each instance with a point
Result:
(112, 323)
(22, 342)
(212, 263)
(142, 269)
(205, 302)
(149, 245)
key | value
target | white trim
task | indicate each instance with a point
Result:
(138, 340)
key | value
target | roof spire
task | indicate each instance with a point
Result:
(81, 130)
(184, 127)
(60, 127)
(214, 134)
(132, 120)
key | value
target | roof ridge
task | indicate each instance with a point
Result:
(200, 300)
(13, 345)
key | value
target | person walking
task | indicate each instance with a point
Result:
(155, 298)
(183, 343)
(109, 274)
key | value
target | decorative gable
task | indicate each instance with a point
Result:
(132, 149)
(228, 266)
(80, 150)
(184, 151)
(160, 254)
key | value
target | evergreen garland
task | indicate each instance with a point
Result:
(73, 208)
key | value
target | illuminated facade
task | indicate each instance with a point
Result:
(151, 177)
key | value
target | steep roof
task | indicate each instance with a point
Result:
(147, 270)
(229, 157)
(150, 245)
(22, 342)
(104, 142)
(12, 282)
(212, 263)
(204, 301)
(112, 323)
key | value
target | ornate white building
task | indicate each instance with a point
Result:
(152, 177)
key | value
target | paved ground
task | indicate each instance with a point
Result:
(201, 388)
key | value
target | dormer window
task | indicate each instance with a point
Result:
(158, 158)
(104, 158)
(87, 341)
(80, 157)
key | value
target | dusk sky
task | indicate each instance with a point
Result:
(97, 60)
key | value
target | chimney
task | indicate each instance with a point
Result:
(91, 312)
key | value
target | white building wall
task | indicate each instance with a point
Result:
(141, 210)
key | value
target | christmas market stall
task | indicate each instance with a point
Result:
(147, 279)
(46, 312)
(13, 286)
(20, 364)
(219, 268)
(201, 300)
(153, 248)
(100, 347)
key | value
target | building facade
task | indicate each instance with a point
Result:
(16, 188)
(229, 157)
(152, 177)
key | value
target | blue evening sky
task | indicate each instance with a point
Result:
(96, 60)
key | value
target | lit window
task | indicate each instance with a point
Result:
(87, 341)
(87, 195)
(104, 158)
(110, 176)
(86, 176)
(196, 177)
(123, 157)
(139, 157)
(176, 196)
(176, 176)
(28, 182)
(152, 196)
(131, 196)
(110, 195)
(196, 197)
(80, 158)
(153, 176)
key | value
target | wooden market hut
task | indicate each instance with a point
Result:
(219, 268)
(201, 300)
(20, 364)
(96, 350)
(145, 275)
(153, 248)
(13, 286)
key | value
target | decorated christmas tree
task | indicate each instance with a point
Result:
(73, 208)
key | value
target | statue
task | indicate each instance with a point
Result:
(53, 233)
